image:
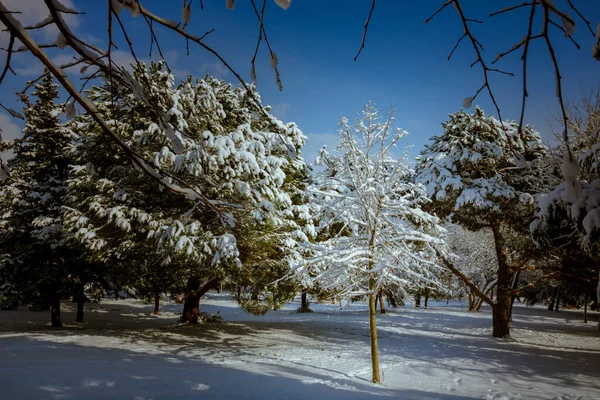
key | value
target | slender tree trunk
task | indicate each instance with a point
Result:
(156, 303)
(551, 304)
(478, 302)
(557, 299)
(418, 299)
(426, 297)
(304, 305)
(55, 311)
(79, 298)
(381, 304)
(514, 286)
(373, 331)
(79, 316)
(585, 307)
(471, 300)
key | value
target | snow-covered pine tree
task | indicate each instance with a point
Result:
(36, 261)
(205, 132)
(481, 174)
(373, 230)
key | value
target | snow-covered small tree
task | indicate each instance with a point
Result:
(484, 174)
(207, 133)
(36, 261)
(373, 231)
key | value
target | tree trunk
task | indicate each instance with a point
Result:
(55, 311)
(471, 300)
(304, 305)
(514, 286)
(585, 307)
(418, 299)
(426, 297)
(191, 307)
(551, 305)
(373, 331)
(79, 298)
(557, 299)
(478, 302)
(381, 305)
(501, 314)
(79, 316)
(156, 303)
(501, 307)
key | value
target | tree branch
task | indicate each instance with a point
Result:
(366, 28)
(517, 292)
(467, 281)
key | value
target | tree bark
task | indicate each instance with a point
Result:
(373, 331)
(585, 307)
(156, 303)
(79, 316)
(418, 299)
(304, 305)
(191, 306)
(557, 299)
(501, 308)
(426, 297)
(79, 298)
(381, 305)
(55, 311)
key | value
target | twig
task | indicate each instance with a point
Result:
(512, 8)
(582, 17)
(366, 28)
(11, 43)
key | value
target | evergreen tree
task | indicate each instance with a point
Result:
(34, 255)
(484, 174)
(203, 131)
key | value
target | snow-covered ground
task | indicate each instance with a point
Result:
(123, 352)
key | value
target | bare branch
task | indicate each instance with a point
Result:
(366, 28)
(517, 292)
(582, 17)
(512, 8)
(446, 4)
(526, 40)
(456, 45)
(7, 67)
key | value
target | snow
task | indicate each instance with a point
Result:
(444, 352)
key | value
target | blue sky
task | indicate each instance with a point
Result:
(404, 63)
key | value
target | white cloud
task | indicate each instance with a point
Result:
(34, 11)
(10, 131)
(216, 70)
(36, 69)
(280, 110)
